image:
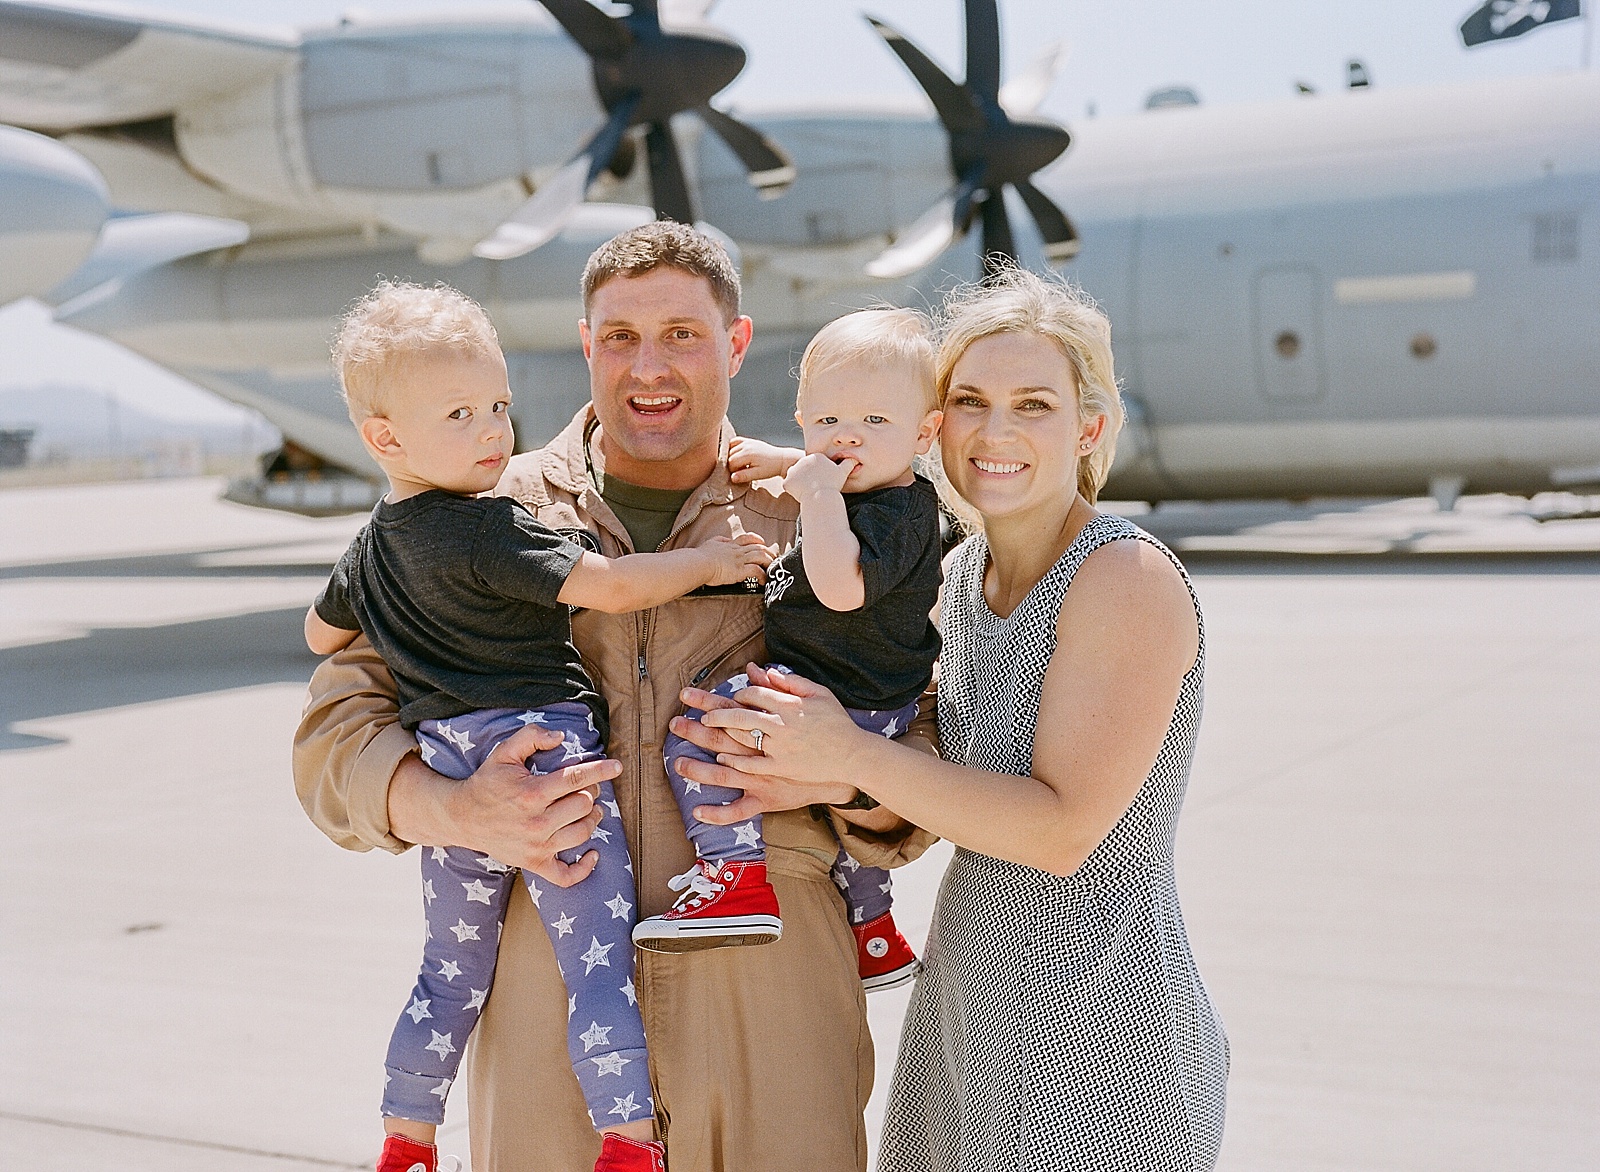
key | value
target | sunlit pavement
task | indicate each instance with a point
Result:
(1388, 858)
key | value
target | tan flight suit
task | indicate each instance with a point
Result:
(760, 1056)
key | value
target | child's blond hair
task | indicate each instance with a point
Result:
(878, 338)
(399, 320)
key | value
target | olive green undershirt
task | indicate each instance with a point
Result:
(646, 513)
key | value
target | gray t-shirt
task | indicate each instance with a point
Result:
(459, 596)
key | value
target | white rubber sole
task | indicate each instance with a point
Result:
(661, 935)
(892, 979)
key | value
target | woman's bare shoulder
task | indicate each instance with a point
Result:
(1131, 585)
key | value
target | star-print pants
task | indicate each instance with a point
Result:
(464, 897)
(867, 890)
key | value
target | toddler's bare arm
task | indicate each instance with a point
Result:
(640, 581)
(324, 638)
(829, 550)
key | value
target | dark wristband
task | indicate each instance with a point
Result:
(862, 801)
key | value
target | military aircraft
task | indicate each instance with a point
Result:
(1367, 292)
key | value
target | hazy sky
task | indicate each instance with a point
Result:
(822, 51)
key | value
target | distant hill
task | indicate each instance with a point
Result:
(82, 423)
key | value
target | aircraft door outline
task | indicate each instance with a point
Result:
(1286, 312)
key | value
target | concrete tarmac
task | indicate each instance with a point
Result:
(1387, 858)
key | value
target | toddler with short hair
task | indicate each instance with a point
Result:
(466, 598)
(849, 606)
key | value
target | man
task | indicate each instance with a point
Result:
(762, 1061)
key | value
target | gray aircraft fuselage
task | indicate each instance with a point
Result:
(1359, 293)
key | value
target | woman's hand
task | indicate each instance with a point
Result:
(763, 794)
(805, 735)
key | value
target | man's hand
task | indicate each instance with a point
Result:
(522, 819)
(735, 559)
(815, 473)
(750, 460)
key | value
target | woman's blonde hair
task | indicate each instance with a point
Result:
(1017, 301)
(398, 320)
(879, 337)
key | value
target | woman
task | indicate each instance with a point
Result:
(1060, 1022)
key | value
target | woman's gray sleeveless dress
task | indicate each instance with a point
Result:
(1060, 1023)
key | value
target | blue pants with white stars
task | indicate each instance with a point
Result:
(867, 890)
(464, 897)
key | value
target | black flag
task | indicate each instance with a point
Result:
(1500, 20)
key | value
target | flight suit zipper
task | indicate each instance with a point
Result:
(642, 635)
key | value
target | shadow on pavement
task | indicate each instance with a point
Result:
(115, 666)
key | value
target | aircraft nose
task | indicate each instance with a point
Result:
(52, 204)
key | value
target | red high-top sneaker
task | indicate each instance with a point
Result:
(407, 1155)
(719, 904)
(882, 954)
(620, 1154)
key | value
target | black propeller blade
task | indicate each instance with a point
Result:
(643, 76)
(989, 149)
(667, 73)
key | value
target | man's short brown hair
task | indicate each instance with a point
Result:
(673, 245)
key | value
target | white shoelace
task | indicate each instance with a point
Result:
(696, 887)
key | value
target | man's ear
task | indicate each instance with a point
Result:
(739, 335)
(584, 336)
(929, 431)
(378, 435)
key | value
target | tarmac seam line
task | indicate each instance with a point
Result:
(209, 1145)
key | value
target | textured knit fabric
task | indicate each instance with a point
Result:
(460, 597)
(1059, 1024)
(867, 890)
(590, 925)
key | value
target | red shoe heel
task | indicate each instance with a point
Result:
(407, 1155)
(883, 957)
(620, 1154)
(719, 905)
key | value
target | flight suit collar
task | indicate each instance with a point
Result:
(569, 459)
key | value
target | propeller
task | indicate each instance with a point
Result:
(993, 142)
(643, 74)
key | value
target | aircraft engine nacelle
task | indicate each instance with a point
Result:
(254, 323)
(52, 204)
(859, 179)
(419, 129)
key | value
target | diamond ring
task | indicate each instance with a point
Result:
(757, 735)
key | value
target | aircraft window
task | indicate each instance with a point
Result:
(1423, 346)
(1555, 238)
(1167, 99)
(1287, 344)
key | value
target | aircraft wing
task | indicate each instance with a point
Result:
(64, 68)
